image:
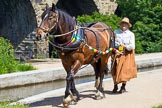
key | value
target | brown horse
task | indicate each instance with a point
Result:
(77, 46)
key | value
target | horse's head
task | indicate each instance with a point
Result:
(49, 22)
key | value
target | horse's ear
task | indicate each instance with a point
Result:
(53, 7)
(47, 6)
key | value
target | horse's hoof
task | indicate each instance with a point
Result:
(66, 101)
(99, 95)
(66, 104)
(73, 103)
(69, 100)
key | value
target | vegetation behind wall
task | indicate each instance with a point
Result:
(8, 63)
(146, 17)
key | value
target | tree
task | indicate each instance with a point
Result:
(145, 15)
(110, 20)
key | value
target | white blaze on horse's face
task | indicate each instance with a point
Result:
(46, 16)
(49, 21)
(42, 30)
(52, 19)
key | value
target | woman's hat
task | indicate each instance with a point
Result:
(126, 20)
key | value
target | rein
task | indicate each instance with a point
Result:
(62, 46)
(76, 30)
(92, 49)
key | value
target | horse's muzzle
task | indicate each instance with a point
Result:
(40, 34)
(38, 37)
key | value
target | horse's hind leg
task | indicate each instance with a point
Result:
(96, 69)
(100, 90)
(99, 79)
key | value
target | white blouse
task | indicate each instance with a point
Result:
(125, 38)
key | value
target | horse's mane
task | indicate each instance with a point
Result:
(45, 12)
(69, 21)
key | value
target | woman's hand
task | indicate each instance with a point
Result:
(123, 45)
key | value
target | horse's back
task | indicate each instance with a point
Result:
(100, 25)
(94, 24)
(102, 32)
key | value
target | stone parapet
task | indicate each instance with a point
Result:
(46, 75)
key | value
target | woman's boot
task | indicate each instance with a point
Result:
(115, 88)
(122, 89)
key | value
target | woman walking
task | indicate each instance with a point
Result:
(123, 65)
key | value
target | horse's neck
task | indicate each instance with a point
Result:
(65, 26)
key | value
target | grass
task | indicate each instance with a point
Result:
(6, 105)
(18, 67)
(24, 67)
(159, 106)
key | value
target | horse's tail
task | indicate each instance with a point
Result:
(106, 70)
(98, 68)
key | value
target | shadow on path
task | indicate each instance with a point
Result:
(57, 101)
(52, 101)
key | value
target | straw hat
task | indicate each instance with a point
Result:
(126, 20)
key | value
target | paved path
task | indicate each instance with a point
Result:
(54, 63)
(143, 92)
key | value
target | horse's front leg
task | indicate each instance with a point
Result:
(71, 94)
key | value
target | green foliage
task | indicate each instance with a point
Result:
(54, 54)
(145, 15)
(160, 106)
(7, 59)
(8, 63)
(24, 67)
(5, 105)
(110, 20)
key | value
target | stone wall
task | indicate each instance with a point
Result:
(39, 6)
(17, 19)
(77, 7)
(74, 8)
(106, 6)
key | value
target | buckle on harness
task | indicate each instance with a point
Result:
(121, 48)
